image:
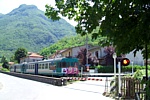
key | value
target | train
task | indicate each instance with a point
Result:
(67, 66)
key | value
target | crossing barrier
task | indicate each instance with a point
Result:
(85, 79)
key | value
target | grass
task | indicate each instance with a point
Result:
(4, 69)
(144, 71)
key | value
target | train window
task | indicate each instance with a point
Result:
(42, 66)
(49, 65)
(59, 65)
(39, 67)
(46, 66)
(72, 63)
(63, 64)
(68, 64)
(54, 64)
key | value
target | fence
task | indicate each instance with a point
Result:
(129, 88)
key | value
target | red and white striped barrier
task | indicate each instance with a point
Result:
(76, 78)
(84, 79)
(94, 79)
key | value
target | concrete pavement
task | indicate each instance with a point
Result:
(22, 89)
(1, 86)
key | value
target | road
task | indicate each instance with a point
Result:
(14, 88)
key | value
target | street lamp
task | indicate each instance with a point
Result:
(114, 56)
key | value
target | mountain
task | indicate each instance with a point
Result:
(28, 27)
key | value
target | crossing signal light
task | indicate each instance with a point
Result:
(125, 62)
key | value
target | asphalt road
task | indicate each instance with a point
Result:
(14, 88)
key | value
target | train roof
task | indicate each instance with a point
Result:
(55, 59)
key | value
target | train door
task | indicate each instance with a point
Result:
(23, 68)
(14, 68)
(57, 65)
(36, 68)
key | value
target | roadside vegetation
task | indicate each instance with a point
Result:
(4, 69)
(124, 69)
(138, 79)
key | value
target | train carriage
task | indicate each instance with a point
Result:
(57, 67)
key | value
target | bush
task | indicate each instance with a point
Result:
(129, 68)
(105, 69)
(138, 75)
(110, 69)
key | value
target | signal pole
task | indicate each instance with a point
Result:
(86, 50)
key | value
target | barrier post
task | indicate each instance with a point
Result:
(81, 71)
(119, 80)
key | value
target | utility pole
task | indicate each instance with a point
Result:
(86, 50)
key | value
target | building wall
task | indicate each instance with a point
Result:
(67, 53)
(30, 59)
(75, 50)
(137, 60)
(99, 50)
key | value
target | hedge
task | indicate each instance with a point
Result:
(110, 69)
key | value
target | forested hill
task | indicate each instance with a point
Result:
(28, 27)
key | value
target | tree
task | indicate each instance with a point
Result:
(82, 55)
(12, 58)
(122, 22)
(20, 53)
(3, 59)
(109, 50)
(5, 62)
(125, 23)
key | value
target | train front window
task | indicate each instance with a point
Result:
(59, 64)
(72, 63)
(63, 64)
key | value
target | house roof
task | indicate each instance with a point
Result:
(32, 54)
(10, 63)
(64, 50)
(35, 55)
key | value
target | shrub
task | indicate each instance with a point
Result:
(105, 69)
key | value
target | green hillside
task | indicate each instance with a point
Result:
(28, 27)
(66, 42)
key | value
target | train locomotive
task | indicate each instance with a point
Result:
(57, 67)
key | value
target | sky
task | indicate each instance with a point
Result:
(7, 6)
